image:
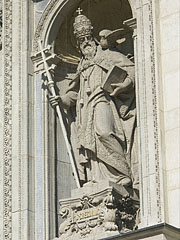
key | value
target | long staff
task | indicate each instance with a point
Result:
(52, 90)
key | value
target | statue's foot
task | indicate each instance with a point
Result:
(126, 182)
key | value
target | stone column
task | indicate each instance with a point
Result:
(149, 122)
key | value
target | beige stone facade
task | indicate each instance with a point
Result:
(35, 170)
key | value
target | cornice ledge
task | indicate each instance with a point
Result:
(150, 231)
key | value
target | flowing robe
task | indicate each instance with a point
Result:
(106, 152)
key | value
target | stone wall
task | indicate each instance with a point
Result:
(169, 37)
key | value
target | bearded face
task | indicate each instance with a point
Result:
(87, 46)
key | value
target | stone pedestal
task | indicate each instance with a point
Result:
(98, 210)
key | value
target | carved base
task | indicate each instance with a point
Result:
(98, 210)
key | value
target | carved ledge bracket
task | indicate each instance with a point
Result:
(98, 210)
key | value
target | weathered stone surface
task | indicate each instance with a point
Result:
(32, 157)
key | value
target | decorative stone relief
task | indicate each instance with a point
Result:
(97, 211)
(7, 137)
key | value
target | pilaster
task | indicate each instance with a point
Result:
(149, 124)
(16, 102)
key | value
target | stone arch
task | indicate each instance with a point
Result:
(53, 16)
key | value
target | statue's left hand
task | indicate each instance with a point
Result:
(121, 87)
(118, 88)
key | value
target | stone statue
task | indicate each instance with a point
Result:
(106, 120)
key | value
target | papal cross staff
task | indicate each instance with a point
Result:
(52, 90)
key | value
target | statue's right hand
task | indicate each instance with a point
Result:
(54, 100)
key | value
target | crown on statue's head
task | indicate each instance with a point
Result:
(82, 25)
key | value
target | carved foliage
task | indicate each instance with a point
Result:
(106, 213)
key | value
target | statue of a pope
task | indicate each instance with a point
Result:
(106, 121)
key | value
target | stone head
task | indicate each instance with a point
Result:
(83, 31)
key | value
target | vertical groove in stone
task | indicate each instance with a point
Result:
(155, 113)
(7, 127)
(144, 103)
(20, 114)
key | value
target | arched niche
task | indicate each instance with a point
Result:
(147, 91)
(56, 13)
(104, 14)
(146, 45)
(55, 28)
